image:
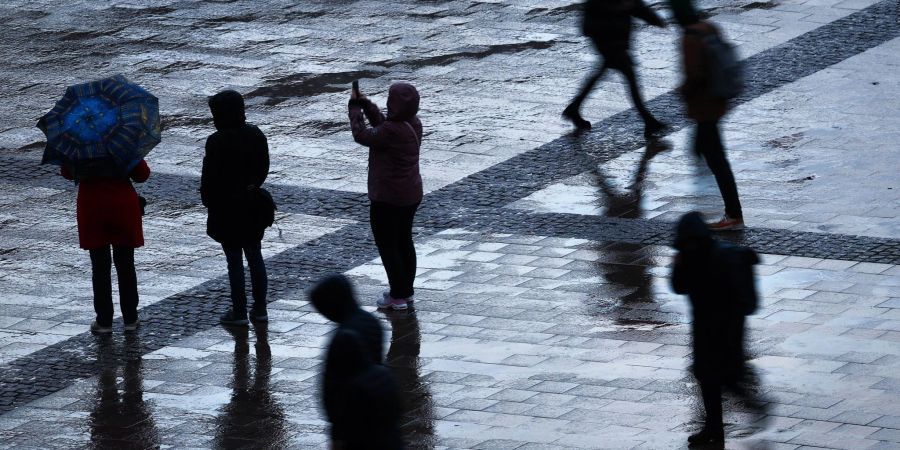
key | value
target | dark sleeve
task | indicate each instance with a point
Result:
(643, 12)
(141, 172)
(66, 173)
(262, 168)
(373, 136)
(694, 64)
(679, 277)
(208, 176)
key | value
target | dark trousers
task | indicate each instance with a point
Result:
(619, 60)
(392, 230)
(234, 254)
(101, 266)
(728, 371)
(708, 143)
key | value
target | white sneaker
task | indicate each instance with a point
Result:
(388, 302)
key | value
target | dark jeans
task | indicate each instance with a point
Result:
(708, 143)
(101, 266)
(234, 254)
(729, 372)
(392, 229)
(619, 60)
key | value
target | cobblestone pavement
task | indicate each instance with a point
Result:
(543, 318)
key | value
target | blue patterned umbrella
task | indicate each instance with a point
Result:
(111, 120)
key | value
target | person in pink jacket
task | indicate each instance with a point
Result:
(394, 182)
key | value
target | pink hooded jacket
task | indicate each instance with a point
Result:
(393, 143)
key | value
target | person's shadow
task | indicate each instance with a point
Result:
(253, 418)
(121, 420)
(402, 358)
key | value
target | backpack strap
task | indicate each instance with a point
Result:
(411, 128)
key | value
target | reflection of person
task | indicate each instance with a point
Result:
(360, 398)
(704, 270)
(236, 162)
(253, 417)
(707, 110)
(403, 360)
(608, 24)
(394, 183)
(118, 420)
(109, 215)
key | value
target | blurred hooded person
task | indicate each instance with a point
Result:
(394, 183)
(708, 272)
(361, 397)
(236, 163)
(706, 109)
(608, 24)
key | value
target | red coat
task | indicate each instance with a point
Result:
(108, 210)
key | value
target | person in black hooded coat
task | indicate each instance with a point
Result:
(236, 163)
(705, 269)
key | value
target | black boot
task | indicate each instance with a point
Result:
(654, 128)
(571, 113)
(707, 436)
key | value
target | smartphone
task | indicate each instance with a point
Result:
(356, 87)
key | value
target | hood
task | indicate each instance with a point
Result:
(227, 109)
(403, 102)
(691, 233)
(333, 297)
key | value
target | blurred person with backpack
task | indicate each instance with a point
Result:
(719, 281)
(712, 76)
(234, 168)
(608, 24)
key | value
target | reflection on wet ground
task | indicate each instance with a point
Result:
(403, 359)
(253, 417)
(120, 418)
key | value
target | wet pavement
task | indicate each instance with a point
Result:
(543, 316)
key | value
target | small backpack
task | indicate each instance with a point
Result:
(739, 262)
(725, 68)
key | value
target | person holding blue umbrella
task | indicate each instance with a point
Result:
(99, 133)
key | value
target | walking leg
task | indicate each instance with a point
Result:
(128, 291)
(101, 265)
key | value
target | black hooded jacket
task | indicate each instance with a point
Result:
(704, 270)
(237, 157)
(363, 403)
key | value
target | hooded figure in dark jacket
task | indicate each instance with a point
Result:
(395, 184)
(334, 298)
(236, 163)
(608, 24)
(705, 270)
(362, 401)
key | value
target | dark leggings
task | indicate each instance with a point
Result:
(259, 281)
(101, 266)
(708, 143)
(392, 230)
(621, 61)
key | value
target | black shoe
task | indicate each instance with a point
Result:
(571, 113)
(259, 314)
(232, 319)
(654, 129)
(707, 436)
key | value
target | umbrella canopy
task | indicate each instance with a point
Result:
(111, 122)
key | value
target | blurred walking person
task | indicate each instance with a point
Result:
(109, 218)
(394, 182)
(719, 282)
(358, 392)
(234, 168)
(360, 396)
(608, 25)
(706, 105)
